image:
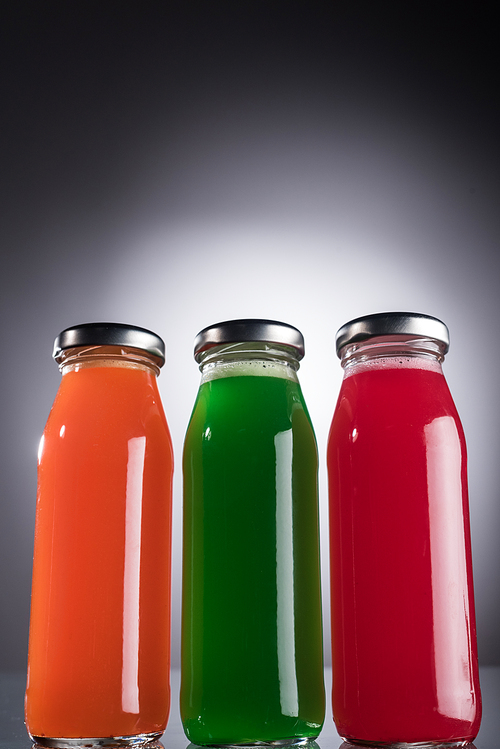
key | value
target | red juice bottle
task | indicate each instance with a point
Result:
(404, 649)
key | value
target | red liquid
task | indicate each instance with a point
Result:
(403, 628)
(100, 613)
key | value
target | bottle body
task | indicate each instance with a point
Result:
(403, 628)
(252, 666)
(99, 648)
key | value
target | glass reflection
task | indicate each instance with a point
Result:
(303, 744)
(134, 743)
(432, 745)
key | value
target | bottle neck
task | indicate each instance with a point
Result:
(248, 359)
(120, 357)
(401, 351)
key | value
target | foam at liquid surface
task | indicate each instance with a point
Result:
(249, 367)
(393, 362)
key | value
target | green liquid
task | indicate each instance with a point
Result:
(252, 663)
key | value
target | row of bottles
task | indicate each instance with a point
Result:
(403, 630)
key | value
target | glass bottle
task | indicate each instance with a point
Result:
(252, 663)
(404, 650)
(99, 649)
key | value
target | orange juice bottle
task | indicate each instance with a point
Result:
(99, 649)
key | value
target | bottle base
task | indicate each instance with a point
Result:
(141, 739)
(304, 742)
(410, 744)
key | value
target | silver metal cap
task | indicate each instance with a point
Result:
(392, 323)
(236, 331)
(109, 334)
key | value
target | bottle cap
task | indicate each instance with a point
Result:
(238, 331)
(109, 334)
(392, 324)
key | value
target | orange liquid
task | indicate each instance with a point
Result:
(99, 651)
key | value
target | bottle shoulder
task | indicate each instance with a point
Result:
(393, 397)
(262, 404)
(106, 398)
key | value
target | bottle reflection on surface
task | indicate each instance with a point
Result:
(110, 743)
(303, 744)
(348, 745)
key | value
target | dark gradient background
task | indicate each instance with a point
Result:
(174, 164)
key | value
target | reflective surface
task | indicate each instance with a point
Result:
(137, 740)
(13, 732)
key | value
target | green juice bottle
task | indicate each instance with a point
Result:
(252, 658)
